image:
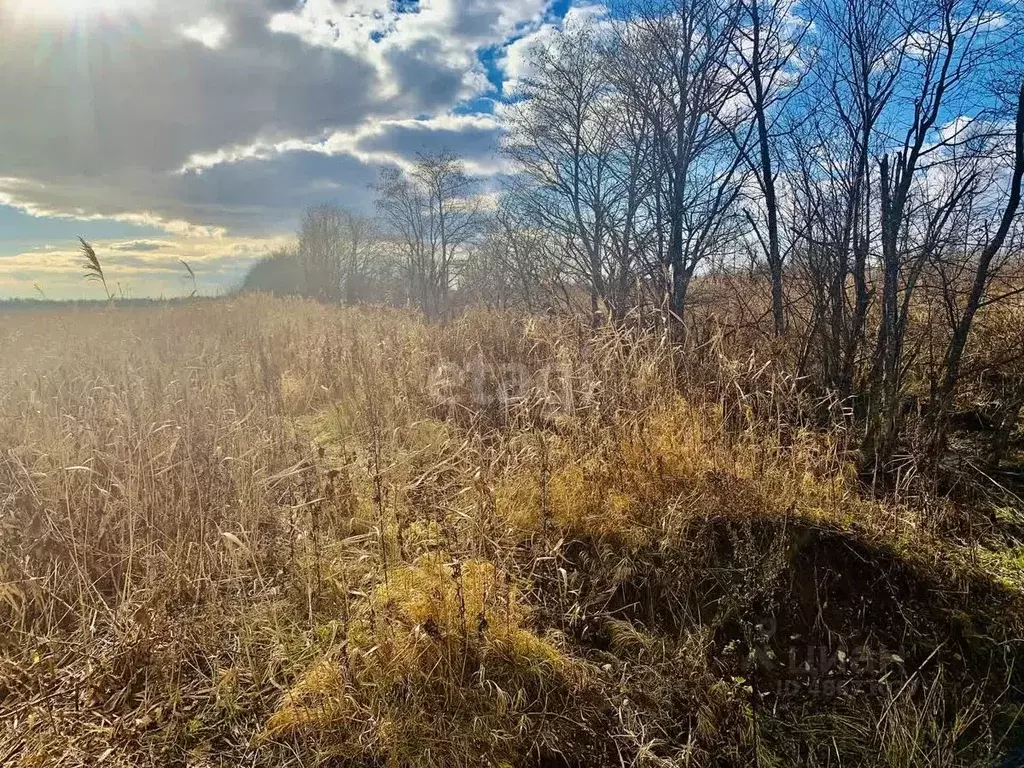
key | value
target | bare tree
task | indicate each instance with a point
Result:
(985, 271)
(433, 212)
(338, 253)
(683, 50)
(944, 49)
(561, 138)
(320, 252)
(512, 266)
(768, 69)
(862, 51)
(362, 257)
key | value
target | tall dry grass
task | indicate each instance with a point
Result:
(266, 532)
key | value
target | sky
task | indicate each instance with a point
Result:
(201, 129)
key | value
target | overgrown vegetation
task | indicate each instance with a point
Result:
(848, 172)
(698, 445)
(262, 531)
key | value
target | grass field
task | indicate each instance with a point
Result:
(256, 531)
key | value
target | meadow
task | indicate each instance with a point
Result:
(258, 531)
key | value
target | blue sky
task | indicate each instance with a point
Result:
(201, 129)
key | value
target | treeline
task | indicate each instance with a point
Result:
(425, 241)
(857, 163)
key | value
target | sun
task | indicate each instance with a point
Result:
(71, 12)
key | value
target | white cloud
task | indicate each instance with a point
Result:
(392, 142)
(252, 94)
(208, 31)
(141, 245)
(515, 60)
(27, 197)
(404, 44)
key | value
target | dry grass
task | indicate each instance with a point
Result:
(264, 532)
(437, 667)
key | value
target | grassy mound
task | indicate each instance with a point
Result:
(437, 667)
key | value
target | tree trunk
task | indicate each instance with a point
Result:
(961, 334)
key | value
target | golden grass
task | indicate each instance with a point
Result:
(271, 532)
(437, 668)
(635, 482)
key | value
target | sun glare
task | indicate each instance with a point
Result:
(66, 12)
